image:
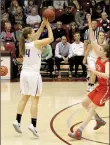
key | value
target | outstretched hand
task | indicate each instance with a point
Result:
(45, 22)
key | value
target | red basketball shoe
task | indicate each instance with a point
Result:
(99, 124)
(76, 135)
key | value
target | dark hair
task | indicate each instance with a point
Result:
(63, 36)
(107, 50)
(29, 2)
(24, 36)
(77, 32)
(101, 32)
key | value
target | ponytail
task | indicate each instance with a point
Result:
(26, 31)
(21, 46)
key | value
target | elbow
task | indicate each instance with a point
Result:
(51, 39)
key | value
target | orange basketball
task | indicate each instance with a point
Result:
(3, 71)
(49, 14)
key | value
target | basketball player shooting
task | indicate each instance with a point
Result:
(30, 78)
(101, 93)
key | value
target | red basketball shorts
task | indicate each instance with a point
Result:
(100, 95)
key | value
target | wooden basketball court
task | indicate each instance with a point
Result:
(60, 111)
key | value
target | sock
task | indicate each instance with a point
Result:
(88, 118)
(34, 121)
(18, 117)
(97, 118)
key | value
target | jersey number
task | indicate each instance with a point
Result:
(27, 52)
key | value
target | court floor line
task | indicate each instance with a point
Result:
(53, 129)
(71, 129)
(52, 120)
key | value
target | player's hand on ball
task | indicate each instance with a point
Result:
(45, 21)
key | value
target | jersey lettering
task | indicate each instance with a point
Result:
(27, 52)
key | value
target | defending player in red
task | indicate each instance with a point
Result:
(101, 93)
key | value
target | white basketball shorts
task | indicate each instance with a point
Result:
(91, 61)
(30, 83)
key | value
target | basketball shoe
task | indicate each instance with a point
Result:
(17, 127)
(76, 135)
(99, 124)
(33, 130)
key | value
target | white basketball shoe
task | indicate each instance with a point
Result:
(33, 130)
(17, 127)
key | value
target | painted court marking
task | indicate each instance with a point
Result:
(71, 129)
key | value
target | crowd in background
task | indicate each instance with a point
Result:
(70, 28)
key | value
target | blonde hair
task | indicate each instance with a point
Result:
(24, 36)
(106, 49)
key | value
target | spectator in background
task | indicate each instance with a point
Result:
(104, 22)
(8, 35)
(72, 31)
(67, 17)
(17, 36)
(46, 3)
(8, 39)
(2, 48)
(18, 31)
(80, 19)
(98, 12)
(58, 32)
(13, 7)
(60, 4)
(61, 53)
(47, 57)
(28, 8)
(107, 7)
(19, 17)
(34, 18)
(5, 19)
(76, 55)
(93, 8)
(76, 4)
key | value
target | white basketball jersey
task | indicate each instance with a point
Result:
(92, 52)
(32, 58)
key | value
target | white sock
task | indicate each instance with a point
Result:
(90, 114)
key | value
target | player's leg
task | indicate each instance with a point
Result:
(91, 63)
(20, 110)
(35, 86)
(99, 121)
(92, 80)
(78, 133)
(34, 111)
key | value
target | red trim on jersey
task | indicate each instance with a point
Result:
(102, 92)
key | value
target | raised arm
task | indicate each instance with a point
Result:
(105, 75)
(50, 39)
(40, 30)
(87, 53)
(94, 45)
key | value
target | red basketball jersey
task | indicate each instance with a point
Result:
(100, 67)
(102, 92)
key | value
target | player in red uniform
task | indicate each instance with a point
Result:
(101, 93)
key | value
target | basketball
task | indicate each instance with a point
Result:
(3, 71)
(49, 14)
